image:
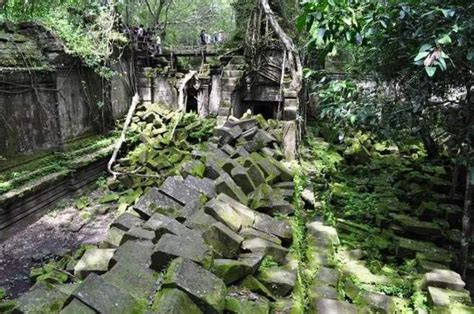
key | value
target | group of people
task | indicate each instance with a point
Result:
(144, 39)
(215, 38)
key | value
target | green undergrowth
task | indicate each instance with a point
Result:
(360, 183)
(299, 247)
(25, 173)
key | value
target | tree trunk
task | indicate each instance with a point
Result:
(466, 220)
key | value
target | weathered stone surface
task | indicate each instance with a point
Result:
(228, 135)
(240, 301)
(114, 237)
(247, 124)
(162, 224)
(324, 234)
(77, 307)
(270, 225)
(256, 174)
(174, 301)
(190, 209)
(42, 298)
(224, 213)
(176, 188)
(362, 273)
(94, 261)
(136, 279)
(171, 246)
(286, 174)
(378, 302)
(241, 152)
(126, 221)
(194, 168)
(280, 281)
(249, 134)
(269, 248)
(322, 292)
(205, 289)
(241, 177)
(253, 284)
(200, 221)
(279, 205)
(327, 306)
(253, 260)
(250, 233)
(105, 297)
(152, 200)
(443, 278)
(223, 240)
(213, 170)
(264, 137)
(417, 227)
(247, 216)
(262, 198)
(408, 248)
(225, 184)
(228, 165)
(137, 252)
(137, 233)
(327, 276)
(444, 297)
(206, 186)
(230, 270)
(427, 266)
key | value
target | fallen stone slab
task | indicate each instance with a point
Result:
(229, 150)
(205, 289)
(225, 184)
(228, 135)
(134, 252)
(327, 276)
(241, 177)
(199, 221)
(153, 200)
(190, 209)
(230, 270)
(280, 281)
(138, 280)
(256, 174)
(224, 213)
(41, 298)
(414, 226)
(243, 301)
(105, 297)
(126, 221)
(194, 168)
(443, 278)
(77, 307)
(253, 260)
(323, 234)
(408, 248)
(213, 170)
(264, 137)
(94, 261)
(251, 233)
(206, 186)
(171, 246)
(247, 216)
(378, 302)
(328, 306)
(223, 240)
(162, 224)
(228, 164)
(276, 251)
(114, 237)
(322, 292)
(174, 301)
(176, 188)
(137, 233)
(253, 284)
(270, 225)
(241, 152)
(445, 297)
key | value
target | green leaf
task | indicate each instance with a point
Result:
(3, 293)
(422, 55)
(448, 12)
(444, 40)
(442, 64)
(426, 47)
(430, 71)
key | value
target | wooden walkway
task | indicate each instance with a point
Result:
(189, 51)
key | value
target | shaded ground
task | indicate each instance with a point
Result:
(62, 230)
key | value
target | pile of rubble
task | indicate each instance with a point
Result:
(214, 239)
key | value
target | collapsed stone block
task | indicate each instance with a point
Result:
(270, 225)
(94, 261)
(230, 270)
(241, 177)
(205, 289)
(105, 297)
(225, 184)
(170, 247)
(280, 281)
(223, 240)
(443, 278)
(332, 306)
(152, 200)
(77, 307)
(175, 188)
(126, 221)
(137, 233)
(134, 252)
(269, 248)
(199, 221)
(323, 234)
(41, 298)
(242, 301)
(174, 301)
(224, 213)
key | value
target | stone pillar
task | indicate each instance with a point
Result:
(290, 139)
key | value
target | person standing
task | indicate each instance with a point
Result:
(158, 43)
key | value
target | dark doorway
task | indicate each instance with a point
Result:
(191, 102)
(268, 109)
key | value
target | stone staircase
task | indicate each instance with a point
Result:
(231, 76)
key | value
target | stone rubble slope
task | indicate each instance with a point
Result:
(211, 243)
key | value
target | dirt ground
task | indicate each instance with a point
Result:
(60, 231)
